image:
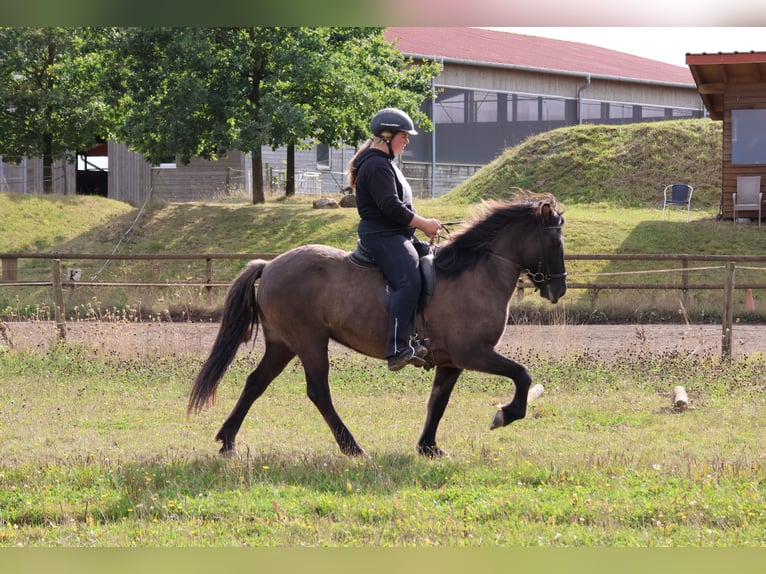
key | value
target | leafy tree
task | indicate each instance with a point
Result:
(203, 91)
(49, 104)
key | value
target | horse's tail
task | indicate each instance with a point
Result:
(240, 317)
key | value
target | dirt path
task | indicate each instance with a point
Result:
(146, 339)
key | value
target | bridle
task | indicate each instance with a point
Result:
(542, 276)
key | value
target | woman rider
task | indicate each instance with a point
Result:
(387, 228)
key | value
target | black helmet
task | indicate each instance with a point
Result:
(393, 120)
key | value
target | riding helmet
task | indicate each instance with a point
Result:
(392, 120)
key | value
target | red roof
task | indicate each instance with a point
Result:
(504, 48)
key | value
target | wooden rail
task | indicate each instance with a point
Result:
(726, 263)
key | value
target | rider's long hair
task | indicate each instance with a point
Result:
(384, 138)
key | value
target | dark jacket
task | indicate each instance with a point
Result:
(383, 196)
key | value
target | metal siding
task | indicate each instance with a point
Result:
(475, 77)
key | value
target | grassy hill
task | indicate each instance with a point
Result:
(622, 166)
(608, 179)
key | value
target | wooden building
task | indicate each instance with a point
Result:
(733, 90)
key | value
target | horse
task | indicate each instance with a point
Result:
(312, 294)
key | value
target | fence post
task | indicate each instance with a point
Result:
(10, 268)
(728, 311)
(58, 298)
(209, 279)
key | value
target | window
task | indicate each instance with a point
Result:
(590, 110)
(527, 109)
(554, 109)
(324, 159)
(649, 112)
(683, 114)
(620, 111)
(484, 107)
(748, 136)
(450, 107)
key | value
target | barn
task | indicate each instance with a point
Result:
(495, 90)
(732, 89)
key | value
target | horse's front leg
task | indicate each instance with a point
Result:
(444, 381)
(517, 408)
(489, 361)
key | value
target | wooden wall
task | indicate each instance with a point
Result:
(749, 96)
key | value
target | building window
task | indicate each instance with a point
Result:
(554, 109)
(590, 110)
(450, 107)
(484, 107)
(748, 136)
(527, 109)
(650, 112)
(683, 114)
(620, 111)
(324, 158)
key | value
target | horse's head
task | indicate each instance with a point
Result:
(545, 256)
(525, 233)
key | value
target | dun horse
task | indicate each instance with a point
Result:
(312, 294)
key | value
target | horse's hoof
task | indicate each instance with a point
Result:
(499, 420)
(433, 452)
(355, 452)
(228, 453)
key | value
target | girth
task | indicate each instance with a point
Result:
(362, 258)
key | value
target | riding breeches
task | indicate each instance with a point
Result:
(397, 257)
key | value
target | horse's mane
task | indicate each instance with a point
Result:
(473, 242)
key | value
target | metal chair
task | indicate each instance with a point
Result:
(678, 194)
(748, 195)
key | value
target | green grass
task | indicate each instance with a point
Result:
(97, 452)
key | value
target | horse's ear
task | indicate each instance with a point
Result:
(546, 211)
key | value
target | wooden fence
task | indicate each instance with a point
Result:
(728, 264)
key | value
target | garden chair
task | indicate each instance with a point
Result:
(748, 195)
(678, 194)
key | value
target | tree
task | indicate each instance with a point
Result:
(203, 91)
(331, 82)
(49, 104)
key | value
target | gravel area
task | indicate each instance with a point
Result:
(142, 339)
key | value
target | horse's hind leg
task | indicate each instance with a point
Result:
(444, 382)
(316, 366)
(275, 359)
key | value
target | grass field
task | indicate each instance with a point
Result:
(97, 451)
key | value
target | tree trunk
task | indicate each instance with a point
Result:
(48, 165)
(290, 171)
(48, 137)
(258, 195)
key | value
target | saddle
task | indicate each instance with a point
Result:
(362, 258)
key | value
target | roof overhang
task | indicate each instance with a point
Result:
(714, 74)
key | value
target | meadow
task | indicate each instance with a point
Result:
(98, 452)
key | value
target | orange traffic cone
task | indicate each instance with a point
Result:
(749, 303)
